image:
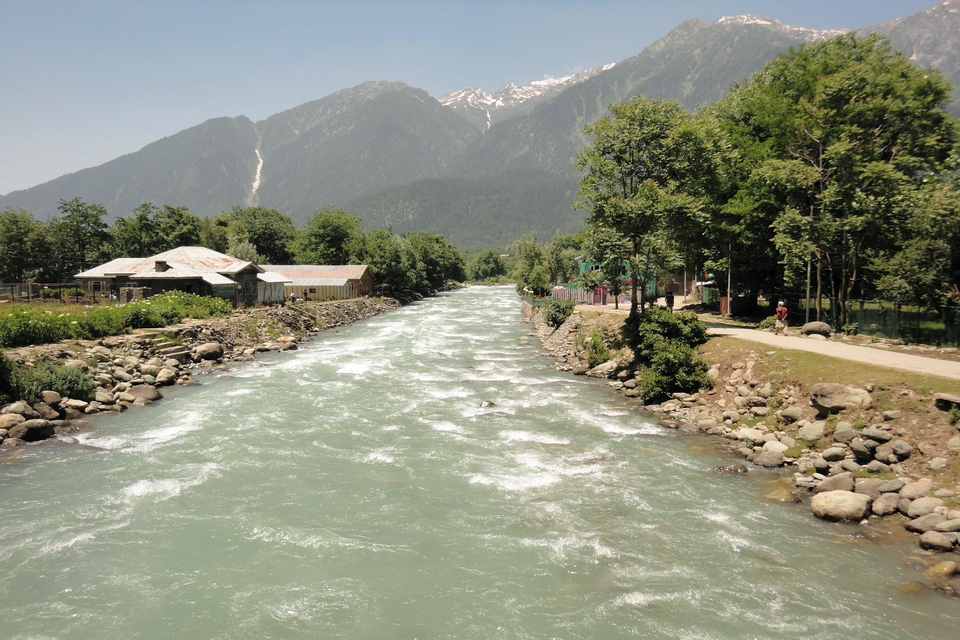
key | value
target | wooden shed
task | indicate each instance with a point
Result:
(324, 282)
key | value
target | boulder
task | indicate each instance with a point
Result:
(18, 408)
(816, 328)
(937, 464)
(925, 523)
(902, 449)
(769, 459)
(841, 505)
(849, 465)
(775, 446)
(831, 397)
(935, 541)
(844, 433)
(51, 398)
(781, 495)
(949, 526)
(46, 412)
(32, 430)
(104, 397)
(944, 401)
(891, 486)
(149, 370)
(892, 414)
(144, 392)
(75, 403)
(870, 487)
(941, 570)
(923, 506)
(879, 435)
(166, 376)
(875, 466)
(886, 504)
(8, 420)
(214, 351)
(812, 431)
(791, 414)
(839, 482)
(834, 454)
(746, 433)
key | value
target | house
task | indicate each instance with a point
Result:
(191, 269)
(325, 282)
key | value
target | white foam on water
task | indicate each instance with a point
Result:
(166, 488)
(240, 392)
(526, 436)
(379, 456)
(445, 426)
(354, 368)
(443, 394)
(514, 483)
(563, 547)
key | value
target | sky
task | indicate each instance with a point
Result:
(83, 82)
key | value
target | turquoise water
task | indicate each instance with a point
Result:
(357, 489)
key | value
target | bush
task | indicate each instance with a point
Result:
(29, 382)
(664, 345)
(597, 351)
(6, 380)
(768, 323)
(675, 367)
(25, 327)
(556, 312)
(851, 328)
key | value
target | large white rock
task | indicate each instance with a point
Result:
(841, 505)
(831, 397)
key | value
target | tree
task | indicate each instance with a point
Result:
(21, 245)
(633, 182)
(177, 227)
(841, 133)
(213, 233)
(136, 236)
(330, 236)
(85, 230)
(243, 249)
(269, 230)
(488, 264)
(442, 262)
(611, 251)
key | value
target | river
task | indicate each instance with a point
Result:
(357, 489)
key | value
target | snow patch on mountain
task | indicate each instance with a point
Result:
(807, 34)
(510, 95)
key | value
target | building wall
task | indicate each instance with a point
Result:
(318, 293)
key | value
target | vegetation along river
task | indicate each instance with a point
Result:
(357, 489)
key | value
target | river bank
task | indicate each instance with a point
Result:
(858, 443)
(131, 369)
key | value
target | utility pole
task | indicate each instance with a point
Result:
(808, 290)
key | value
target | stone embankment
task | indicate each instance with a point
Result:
(853, 460)
(129, 370)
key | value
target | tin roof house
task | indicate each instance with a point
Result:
(193, 270)
(325, 282)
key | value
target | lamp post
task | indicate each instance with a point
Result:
(729, 280)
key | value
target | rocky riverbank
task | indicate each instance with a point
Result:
(130, 370)
(866, 454)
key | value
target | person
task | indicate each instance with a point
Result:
(781, 318)
(668, 298)
(293, 297)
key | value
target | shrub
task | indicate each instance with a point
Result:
(597, 351)
(29, 382)
(664, 345)
(768, 323)
(6, 380)
(556, 312)
(675, 367)
(851, 329)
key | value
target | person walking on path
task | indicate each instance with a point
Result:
(668, 299)
(781, 318)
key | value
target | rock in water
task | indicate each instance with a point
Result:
(209, 351)
(144, 392)
(841, 505)
(32, 430)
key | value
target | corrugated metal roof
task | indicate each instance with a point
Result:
(216, 279)
(299, 271)
(273, 276)
(182, 262)
(319, 282)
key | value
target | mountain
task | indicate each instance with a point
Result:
(929, 38)
(480, 168)
(484, 109)
(324, 152)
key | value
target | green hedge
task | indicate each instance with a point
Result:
(664, 346)
(27, 383)
(22, 327)
(556, 312)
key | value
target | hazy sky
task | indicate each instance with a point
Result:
(82, 82)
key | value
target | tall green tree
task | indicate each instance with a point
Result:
(271, 232)
(839, 135)
(330, 236)
(21, 245)
(86, 230)
(488, 264)
(634, 181)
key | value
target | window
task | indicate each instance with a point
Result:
(313, 289)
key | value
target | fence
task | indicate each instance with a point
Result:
(939, 326)
(65, 292)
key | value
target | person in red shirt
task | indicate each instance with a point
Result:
(781, 319)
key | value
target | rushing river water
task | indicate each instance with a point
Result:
(357, 489)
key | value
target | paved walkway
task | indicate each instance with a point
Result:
(867, 355)
(856, 353)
